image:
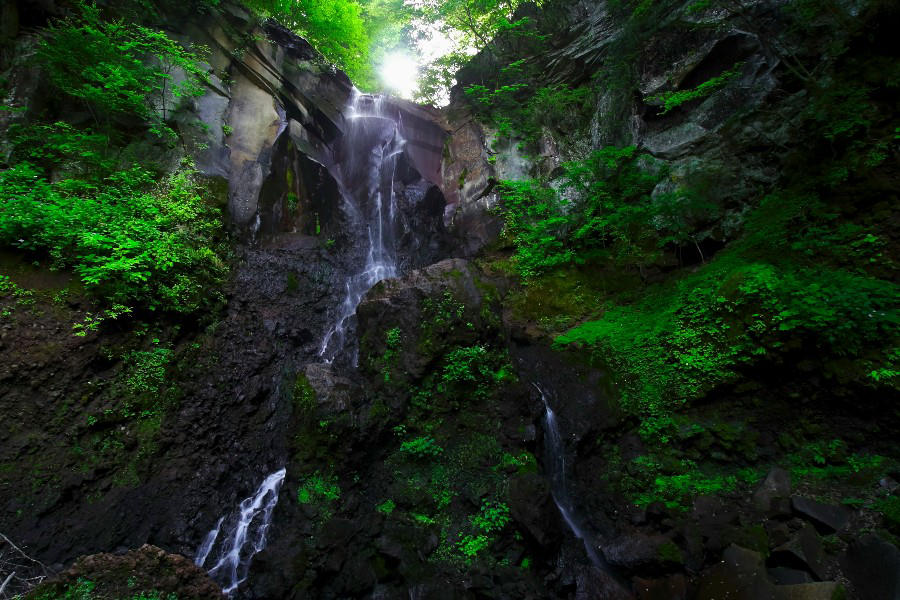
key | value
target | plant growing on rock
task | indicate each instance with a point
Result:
(118, 68)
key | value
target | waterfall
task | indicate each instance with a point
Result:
(555, 466)
(246, 536)
(367, 166)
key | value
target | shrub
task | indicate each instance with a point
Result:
(119, 68)
(130, 240)
(603, 209)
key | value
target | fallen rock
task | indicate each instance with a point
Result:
(776, 486)
(592, 582)
(873, 567)
(827, 518)
(786, 576)
(824, 590)
(635, 551)
(740, 576)
(803, 552)
(673, 587)
(146, 570)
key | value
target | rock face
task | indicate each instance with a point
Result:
(275, 116)
(873, 566)
(441, 411)
(146, 570)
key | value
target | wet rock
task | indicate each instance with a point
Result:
(592, 583)
(803, 551)
(674, 587)
(636, 551)
(786, 576)
(467, 182)
(873, 567)
(333, 392)
(889, 483)
(775, 487)
(826, 590)
(532, 507)
(404, 303)
(740, 576)
(827, 518)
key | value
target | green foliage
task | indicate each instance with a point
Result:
(519, 108)
(130, 241)
(524, 462)
(119, 68)
(472, 25)
(687, 336)
(470, 546)
(304, 395)
(79, 153)
(422, 446)
(604, 211)
(393, 340)
(676, 482)
(85, 589)
(470, 364)
(890, 510)
(387, 507)
(21, 297)
(493, 517)
(320, 490)
(671, 100)
(334, 27)
(146, 370)
(831, 460)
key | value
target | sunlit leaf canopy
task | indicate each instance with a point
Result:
(408, 47)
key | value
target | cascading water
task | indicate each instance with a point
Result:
(367, 166)
(245, 536)
(555, 466)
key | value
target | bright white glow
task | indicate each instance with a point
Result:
(400, 74)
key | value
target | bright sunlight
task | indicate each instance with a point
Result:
(400, 74)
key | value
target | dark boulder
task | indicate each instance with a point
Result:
(873, 567)
(827, 518)
(147, 569)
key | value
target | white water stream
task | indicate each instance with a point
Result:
(245, 535)
(555, 466)
(372, 144)
(365, 172)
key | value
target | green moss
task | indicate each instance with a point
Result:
(670, 552)
(387, 507)
(688, 336)
(671, 100)
(293, 284)
(304, 396)
(890, 510)
(320, 490)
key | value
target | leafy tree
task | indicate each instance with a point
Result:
(603, 209)
(472, 25)
(117, 68)
(129, 239)
(334, 27)
(474, 22)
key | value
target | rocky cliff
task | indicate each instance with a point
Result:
(460, 452)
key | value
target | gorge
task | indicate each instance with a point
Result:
(619, 321)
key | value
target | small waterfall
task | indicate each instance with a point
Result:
(367, 167)
(555, 466)
(245, 538)
(208, 541)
